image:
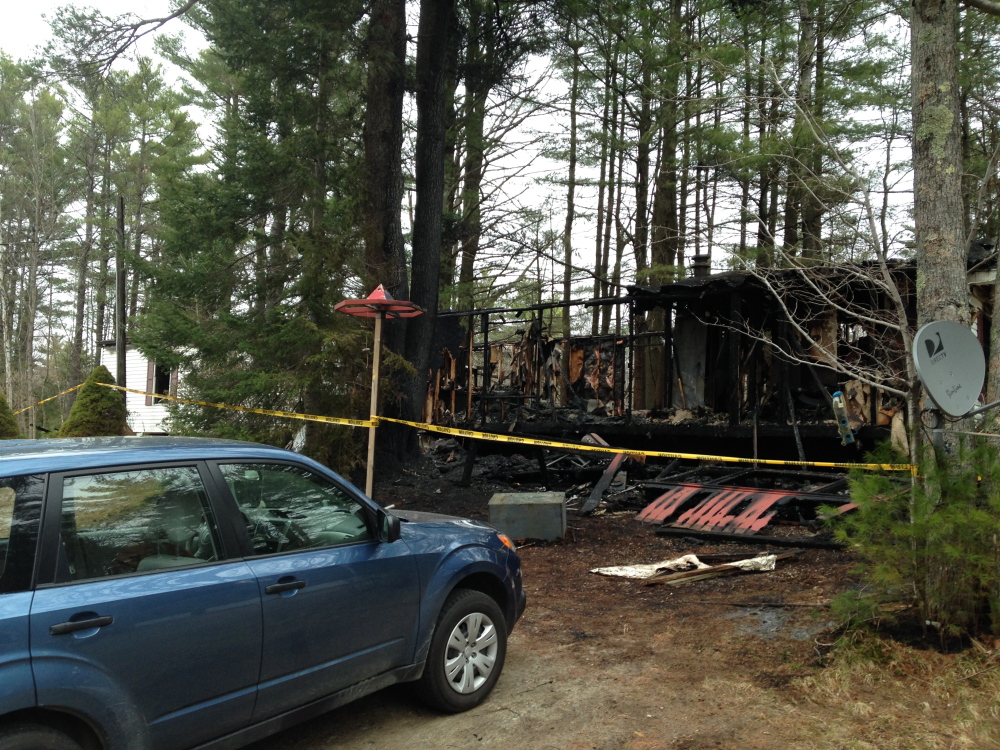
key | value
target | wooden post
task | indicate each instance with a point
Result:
(373, 410)
(629, 396)
(483, 404)
(668, 357)
(453, 372)
(472, 345)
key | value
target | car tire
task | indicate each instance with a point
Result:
(35, 737)
(467, 652)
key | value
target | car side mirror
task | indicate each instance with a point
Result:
(388, 526)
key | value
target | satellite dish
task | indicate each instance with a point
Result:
(951, 365)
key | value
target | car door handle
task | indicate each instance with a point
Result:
(277, 588)
(74, 625)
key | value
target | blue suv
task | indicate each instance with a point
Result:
(170, 593)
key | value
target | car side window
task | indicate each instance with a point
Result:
(6, 522)
(20, 514)
(135, 521)
(290, 508)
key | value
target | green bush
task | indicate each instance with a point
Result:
(97, 411)
(8, 424)
(932, 543)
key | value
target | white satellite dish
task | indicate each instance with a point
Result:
(951, 365)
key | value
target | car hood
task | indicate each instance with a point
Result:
(420, 516)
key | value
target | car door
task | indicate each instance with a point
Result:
(20, 514)
(141, 608)
(338, 605)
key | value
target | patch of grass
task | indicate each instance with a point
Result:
(877, 692)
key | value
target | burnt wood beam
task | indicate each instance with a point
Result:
(735, 385)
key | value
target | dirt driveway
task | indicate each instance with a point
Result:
(609, 664)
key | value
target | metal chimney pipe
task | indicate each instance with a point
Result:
(702, 265)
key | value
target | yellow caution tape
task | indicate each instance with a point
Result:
(267, 412)
(50, 398)
(630, 452)
(517, 439)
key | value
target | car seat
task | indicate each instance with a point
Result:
(181, 532)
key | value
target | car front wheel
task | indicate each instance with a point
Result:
(34, 737)
(466, 654)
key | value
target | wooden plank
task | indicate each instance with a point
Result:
(720, 557)
(150, 380)
(435, 406)
(686, 576)
(453, 375)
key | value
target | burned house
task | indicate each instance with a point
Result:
(740, 363)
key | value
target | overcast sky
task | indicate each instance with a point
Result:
(24, 27)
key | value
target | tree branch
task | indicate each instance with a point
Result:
(137, 30)
(986, 6)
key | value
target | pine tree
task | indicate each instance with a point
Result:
(97, 411)
(256, 254)
(8, 425)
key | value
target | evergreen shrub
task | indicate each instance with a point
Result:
(8, 423)
(933, 543)
(97, 411)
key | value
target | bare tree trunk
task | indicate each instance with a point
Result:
(685, 161)
(5, 316)
(812, 207)
(801, 144)
(696, 147)
(385, 258)
(601, 271)
(768, 172)
(477, 89)
(937, 163)
(745, 117)
(564, 384)
(101, 287)
(437, 50)
(712, 189)
(645, 127)
(453, 195)
(83, 264)
(620, 242)
(613, 181)
(314, 264)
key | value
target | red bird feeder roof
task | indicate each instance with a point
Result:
(379, 301)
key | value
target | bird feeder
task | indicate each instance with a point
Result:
(378, 305)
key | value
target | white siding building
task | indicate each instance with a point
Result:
(145, 413)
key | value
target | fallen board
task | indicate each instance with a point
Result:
(597, 494)
(777, 541)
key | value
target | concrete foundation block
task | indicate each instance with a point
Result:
(529, 515)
